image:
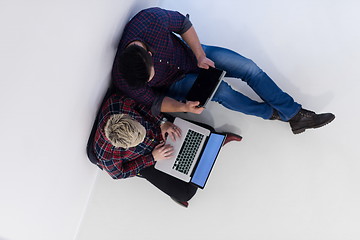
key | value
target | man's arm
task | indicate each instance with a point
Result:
(171, 105)
(192, 39)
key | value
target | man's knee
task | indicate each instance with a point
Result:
(251, 70)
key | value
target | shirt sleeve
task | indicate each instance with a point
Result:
(119, 169)
(172, 20)
(156, 106)
(186, 25)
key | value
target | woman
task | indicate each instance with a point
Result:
(129, 140)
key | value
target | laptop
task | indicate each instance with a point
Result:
(205, 85)
(194, 155)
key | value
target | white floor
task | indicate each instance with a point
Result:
(273, 185)
(55, 61)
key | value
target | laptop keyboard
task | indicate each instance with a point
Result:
(188, 151)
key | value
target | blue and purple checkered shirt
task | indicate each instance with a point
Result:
(172, 57)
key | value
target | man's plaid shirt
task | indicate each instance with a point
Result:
(172, 57)
(120, 162)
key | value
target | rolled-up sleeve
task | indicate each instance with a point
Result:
(156, 105)
(172, 20)
(186, 25)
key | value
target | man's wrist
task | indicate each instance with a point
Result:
(184, 107)
(200, 55)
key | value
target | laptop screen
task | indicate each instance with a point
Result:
(207, 159)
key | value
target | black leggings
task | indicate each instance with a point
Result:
(170, 185)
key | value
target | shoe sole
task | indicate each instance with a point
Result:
(301, 130)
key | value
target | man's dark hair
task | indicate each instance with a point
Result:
(135, 64)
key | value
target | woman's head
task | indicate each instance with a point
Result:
(123, 131)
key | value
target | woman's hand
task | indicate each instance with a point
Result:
(162, 151)
(170, 129)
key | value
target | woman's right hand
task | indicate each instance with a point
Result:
(162, 151)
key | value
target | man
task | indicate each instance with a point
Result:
(156, 68)
(129, 140)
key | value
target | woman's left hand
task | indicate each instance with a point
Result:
(168, 128)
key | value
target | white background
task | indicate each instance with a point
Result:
(55, 61)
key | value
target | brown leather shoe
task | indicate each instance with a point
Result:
(232, 137)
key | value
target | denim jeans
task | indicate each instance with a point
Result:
(237, 66)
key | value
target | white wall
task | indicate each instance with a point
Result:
(55, 61)
(273, 185)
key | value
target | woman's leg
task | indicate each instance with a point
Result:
(238, 66)
(171, 186)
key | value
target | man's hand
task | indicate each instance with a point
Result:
(192, 39)
(171, 105)
(204, 62)
(171, 130)
(162, 152)
(192, 107)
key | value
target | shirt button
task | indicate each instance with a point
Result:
(160, 60)
(167, 62)
(178, 67)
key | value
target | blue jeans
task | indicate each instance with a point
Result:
(237, 66)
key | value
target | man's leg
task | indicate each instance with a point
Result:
(238, 66)
(277, 104)
(179, 89)
(226, 96)
(284, 107)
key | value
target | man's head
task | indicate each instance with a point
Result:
(123, 131)
(136, 65)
